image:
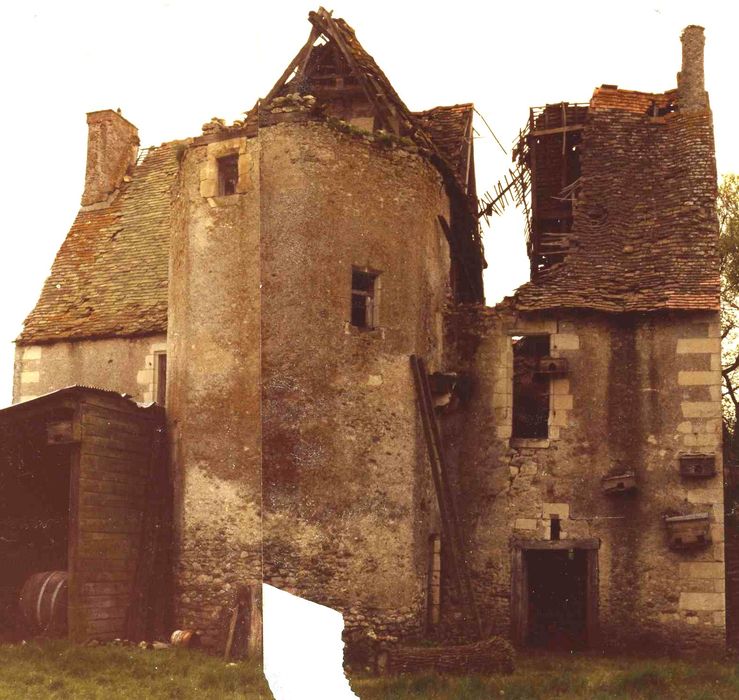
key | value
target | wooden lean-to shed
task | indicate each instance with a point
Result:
(84, 493)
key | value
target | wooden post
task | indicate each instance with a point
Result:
(254, 623)
(245, 629)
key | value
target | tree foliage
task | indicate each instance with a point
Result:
(727, 206)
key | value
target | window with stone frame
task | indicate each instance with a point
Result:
(531, 388)
(228, 174)
(364, 298)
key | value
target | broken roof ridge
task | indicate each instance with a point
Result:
(460, 105)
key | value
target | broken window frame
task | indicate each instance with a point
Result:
(228, 174)
(527, 427)
(364, 298)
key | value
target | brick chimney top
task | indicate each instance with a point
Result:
(112, 145)
(691, 89)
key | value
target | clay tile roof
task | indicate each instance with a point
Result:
(110, 275)
(450, 128)
(611, 97)
(645, 233)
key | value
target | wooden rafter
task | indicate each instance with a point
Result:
(299, 62)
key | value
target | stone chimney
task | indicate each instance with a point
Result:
(691, 89)
(112, 145)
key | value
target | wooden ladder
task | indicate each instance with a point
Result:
(444, 493)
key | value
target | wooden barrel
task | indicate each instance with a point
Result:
(43, 603)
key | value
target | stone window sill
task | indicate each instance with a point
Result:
(224, 200)
(378, 332)
(532, 443)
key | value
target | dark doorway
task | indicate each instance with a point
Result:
(557, 599)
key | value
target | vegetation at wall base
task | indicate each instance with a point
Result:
(60, 670)
(576, 677)
(55, 669)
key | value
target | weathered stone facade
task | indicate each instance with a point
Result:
(299, 258)
(348, 501)
(641, 390)
(127, 363)
(213, 398)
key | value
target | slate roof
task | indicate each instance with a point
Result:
(110, 275)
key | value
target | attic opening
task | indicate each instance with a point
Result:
(228, 174)
(364, 298)
(530, 387)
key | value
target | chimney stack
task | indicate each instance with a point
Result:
(112, 145)
(691, 89)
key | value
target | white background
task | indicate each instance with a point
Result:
(171, 65)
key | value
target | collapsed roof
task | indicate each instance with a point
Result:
(110, 276)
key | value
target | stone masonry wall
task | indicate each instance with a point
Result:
(640, 391)
(121, 364)
(348, 504)
(213, 399)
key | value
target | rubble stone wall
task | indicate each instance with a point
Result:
(213, 401)
(348, 504)
(641, 390)
(125, 365)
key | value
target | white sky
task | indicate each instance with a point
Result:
(171, 65)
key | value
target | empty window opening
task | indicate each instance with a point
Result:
(434, 586)
(530, 388)
(555, 527)
(557, 599)
(228, 174)
(364, 298)
(160, 377)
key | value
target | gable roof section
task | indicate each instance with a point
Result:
(110, 275)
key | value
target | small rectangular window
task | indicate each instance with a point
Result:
(160, 377)
(364, 298)
(530, 387)
(228, 174)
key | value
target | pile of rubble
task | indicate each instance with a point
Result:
(291, 103)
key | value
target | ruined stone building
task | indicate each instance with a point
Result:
(302, 291)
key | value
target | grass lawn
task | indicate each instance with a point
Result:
(578, 677)
(59, 670)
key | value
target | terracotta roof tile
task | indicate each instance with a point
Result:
(450, 128)
(110, 275)
(611, 97)
(645, 232)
